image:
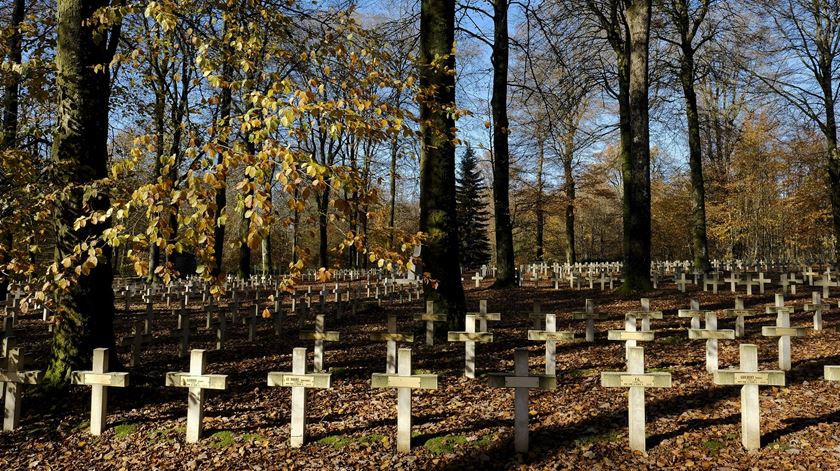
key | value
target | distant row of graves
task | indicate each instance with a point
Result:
(262, 309)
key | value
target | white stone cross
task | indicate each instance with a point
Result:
(711, 335)
(783, 330)
(100, 379)
(831, 373)
(149, 317)
(299, 380)
(749, 378)
(590, 316)
(817, 307)
(762, 281)
(391, 337)
(319, 335)
(197, 381)
(749, 283)
(522, 382)
(13, 379)
(550, 336)
(733, 281)
(136, 341)
(469, 336)
(826, 284)
(430, 317)
(714, 280)
(183, 332)
(477, 278)
(536, 315)
(629, 335)
(404, 382)
(681, 282)
(636, 380)
(739, 313)
(694, 312)
(645, 314)
(482, 316)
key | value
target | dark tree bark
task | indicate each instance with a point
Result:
(687, 28)
(636, 169)
(160, 89)
(85, 311)
(570, 189)
(626, 24)
(245, 223)
(539, 209)
(505, 265)
(8, 134)
(437, 159)
(393, 190)
(225, 110)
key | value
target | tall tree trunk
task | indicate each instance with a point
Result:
(636, 170)
(84, 311)
(245, 223)
(225, 111)
(160, 129)
(437, 159)
(687, 28)
(501, 156)
(393, 201)
(539, 210)
(695, 163)
(570, 189)
(323, 201)
(833, 167)
(8, 134)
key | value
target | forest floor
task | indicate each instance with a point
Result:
(464, 424)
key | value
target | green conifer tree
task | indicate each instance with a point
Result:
(472, 213)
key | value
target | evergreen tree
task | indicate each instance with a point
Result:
(471, 209)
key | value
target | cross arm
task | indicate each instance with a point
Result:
(292, 380)
(21, 377)
(621, 379)
(740, 378)
(329, 336)
(507, 380)
(89, 378)
(469, 336)
(186, 380)
(385, 380)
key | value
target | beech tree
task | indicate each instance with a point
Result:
(85, 309)
(686, 18)
(438, 220)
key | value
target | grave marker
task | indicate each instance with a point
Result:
(100, 379)
(197, 381)
(817, 307)
(749, 378)
(783, 330)
(136, 341)
(13, 378)
(482, 316)
(711, 334)
(522, 382)
(550, 336)
(469, 336)
(319, 335)
(404, 382)
(299, 380)
(590, 316)
(636, 380)
(391, 337)
(430, 317)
